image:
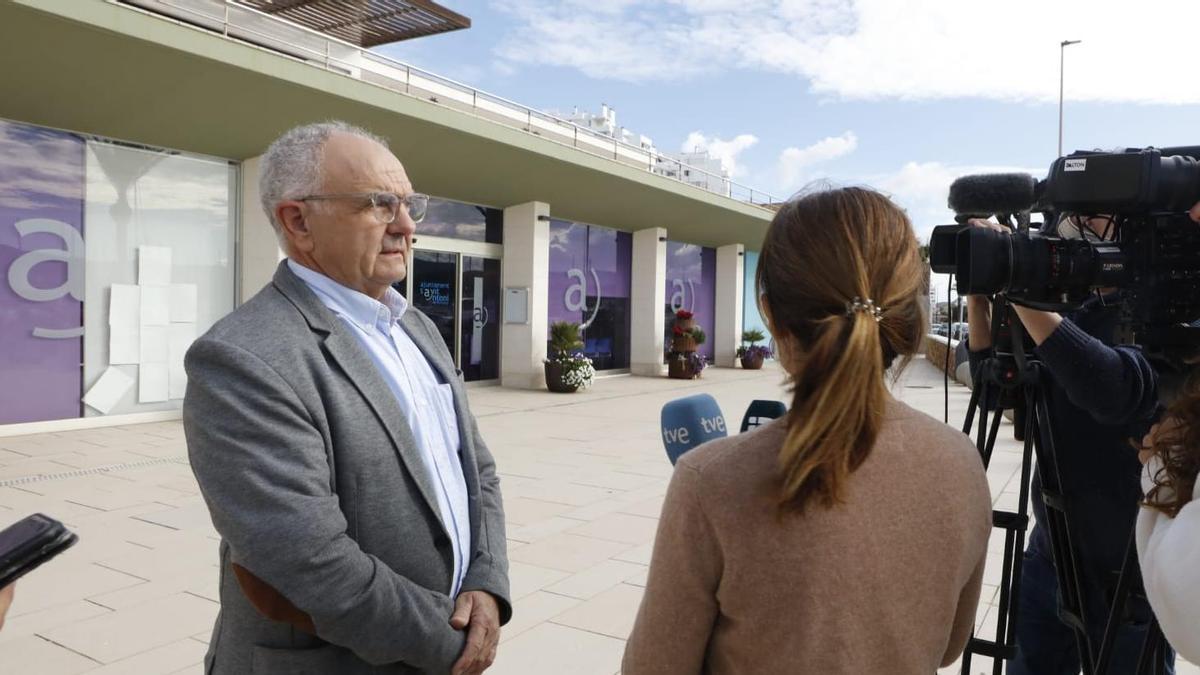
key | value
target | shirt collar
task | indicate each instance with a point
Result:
(360, 308)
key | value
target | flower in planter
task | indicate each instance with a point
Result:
(753, 336)
(752, 352)
(699, 335)
(578, 371)
(696, 363)
(683, 314)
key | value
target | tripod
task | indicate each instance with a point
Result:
(1003, 381)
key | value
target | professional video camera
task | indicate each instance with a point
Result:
(1151, 248)
(1110, 220)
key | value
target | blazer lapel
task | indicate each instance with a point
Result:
(350, 356)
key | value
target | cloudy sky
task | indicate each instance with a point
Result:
(902, 95)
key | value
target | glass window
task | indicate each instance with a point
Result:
(751, 316)
(590, 269)
(456, 220)
(692, 285)
(101, 328)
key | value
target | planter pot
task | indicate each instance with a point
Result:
(752, 362)
(685, 324)
(554, 379)
(679, 370)
(683, 343)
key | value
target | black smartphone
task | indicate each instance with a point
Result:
(30, 542)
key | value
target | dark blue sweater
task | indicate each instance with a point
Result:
(1100, 397)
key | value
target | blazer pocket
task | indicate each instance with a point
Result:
(316, 661)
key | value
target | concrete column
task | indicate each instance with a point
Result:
(728, 321)
(258, 249)
(526, 265)
(648, 296)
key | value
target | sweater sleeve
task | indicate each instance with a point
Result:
(1116, 385)
(675, 621)
(1169, 554)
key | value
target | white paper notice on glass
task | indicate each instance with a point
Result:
(108, 390)
(154, 265)
(152, 383)
(179, 337)
(124, 347)
(183, 303)
(156, 305)
(155, 347)
(124, 307)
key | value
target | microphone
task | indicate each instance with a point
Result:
(690, 421)
(992, 193)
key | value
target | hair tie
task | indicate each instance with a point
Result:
(866, 306)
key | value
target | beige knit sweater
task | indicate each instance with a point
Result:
(887, 582)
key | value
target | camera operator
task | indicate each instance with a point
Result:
(1100, 396)
(1169, 524)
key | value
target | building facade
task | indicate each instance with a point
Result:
(129, 216)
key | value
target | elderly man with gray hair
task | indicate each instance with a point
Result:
(359, 509)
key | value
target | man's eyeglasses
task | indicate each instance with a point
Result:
(385, 204)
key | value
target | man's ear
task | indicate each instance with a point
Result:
(292, 218)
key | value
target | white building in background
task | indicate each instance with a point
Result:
(696, 167)
(606, 123)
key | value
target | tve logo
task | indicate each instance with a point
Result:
(690, 421)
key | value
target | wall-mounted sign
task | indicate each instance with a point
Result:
(516, 305)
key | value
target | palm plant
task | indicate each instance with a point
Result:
(564, 339)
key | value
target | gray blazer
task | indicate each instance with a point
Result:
(316, 486)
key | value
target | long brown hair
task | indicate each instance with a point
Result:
(823, 251)
(1178, 444)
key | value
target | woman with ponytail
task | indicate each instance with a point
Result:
(849, 536)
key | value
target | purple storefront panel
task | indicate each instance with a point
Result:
(692, 285)
(568, 265)
(41, 258)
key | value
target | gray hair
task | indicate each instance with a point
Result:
(291, 166)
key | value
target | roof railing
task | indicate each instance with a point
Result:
(239, 22)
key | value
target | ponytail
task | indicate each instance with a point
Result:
(837, 409)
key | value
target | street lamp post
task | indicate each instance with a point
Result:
(1062, 48)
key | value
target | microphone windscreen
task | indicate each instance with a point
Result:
(690, 421)
(992, 193)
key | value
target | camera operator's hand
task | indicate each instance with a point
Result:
(1194, 212)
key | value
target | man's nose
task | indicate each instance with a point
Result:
(402, 224)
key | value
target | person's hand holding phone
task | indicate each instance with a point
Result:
(6, 598)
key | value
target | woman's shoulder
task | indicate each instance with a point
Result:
(739, 457)
(903, 422)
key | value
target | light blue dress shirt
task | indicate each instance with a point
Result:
(427, 404)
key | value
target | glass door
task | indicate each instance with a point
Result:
(435, 291)
(480, 318)
(461, 294)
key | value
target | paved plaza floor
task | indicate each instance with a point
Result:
(583, 478)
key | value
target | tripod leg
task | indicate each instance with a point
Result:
(1062, 549)
(1124, 584)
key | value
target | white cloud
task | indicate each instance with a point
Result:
(873, 49)
(726, 151)
(794, 162)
